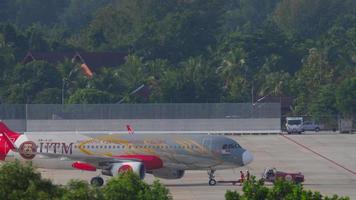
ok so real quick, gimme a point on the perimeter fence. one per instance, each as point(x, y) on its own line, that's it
point(144, 117)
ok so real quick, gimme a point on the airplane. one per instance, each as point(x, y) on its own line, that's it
point(162, 155)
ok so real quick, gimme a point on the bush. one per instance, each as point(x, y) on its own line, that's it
point(128, 186)
point(21, 181)
point(256, 190)
point(81, 190)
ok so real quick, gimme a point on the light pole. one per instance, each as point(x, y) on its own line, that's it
point(131, 93)
point(63, 83)
point(260, 99)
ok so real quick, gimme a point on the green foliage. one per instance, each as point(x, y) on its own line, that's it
point(306, 18)
point(80, 190)
point(315, 73)
point(256, 190)
point(184, 51)
point(45, 12)
point(79, 13)
point(52, 95)
point(323, 105)
point(19, 181)
point(89, 96)
point(128, 186)
point(28, 80)
point(346, 95)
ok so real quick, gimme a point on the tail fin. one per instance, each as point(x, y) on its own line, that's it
point(7, 139)
point(129, 129)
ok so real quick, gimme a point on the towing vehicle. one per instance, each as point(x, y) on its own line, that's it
point(272, 174)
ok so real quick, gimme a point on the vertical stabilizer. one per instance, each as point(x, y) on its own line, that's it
point(7, 139)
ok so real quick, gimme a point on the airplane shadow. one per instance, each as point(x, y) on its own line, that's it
point(199, 185)
point(316, 184)
point(187, 185)
point(238, 185)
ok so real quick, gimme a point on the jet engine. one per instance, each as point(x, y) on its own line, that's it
point(167, 173)
point(118, 168)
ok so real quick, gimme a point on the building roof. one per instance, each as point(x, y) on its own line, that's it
point(51, 57)
point(94, 60)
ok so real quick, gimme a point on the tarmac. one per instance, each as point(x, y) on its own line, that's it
point(327, 160)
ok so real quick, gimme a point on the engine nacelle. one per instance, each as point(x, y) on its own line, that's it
point(167, 173)
point(117, 168)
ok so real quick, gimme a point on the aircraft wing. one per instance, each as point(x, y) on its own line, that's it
point(96, 160)
point(99, 161)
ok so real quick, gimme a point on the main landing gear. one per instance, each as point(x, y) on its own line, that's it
point(97, 181)
point(212, 181)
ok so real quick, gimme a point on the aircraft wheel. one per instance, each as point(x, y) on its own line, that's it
point(97, 181)
point(212, 182)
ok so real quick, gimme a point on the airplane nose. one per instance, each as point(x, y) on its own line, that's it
point(247, 157)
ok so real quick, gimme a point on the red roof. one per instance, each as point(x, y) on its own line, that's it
point(94, 60)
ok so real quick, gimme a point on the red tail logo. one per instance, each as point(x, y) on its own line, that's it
point(7, 139)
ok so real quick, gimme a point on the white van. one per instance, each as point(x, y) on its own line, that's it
point(294, 125)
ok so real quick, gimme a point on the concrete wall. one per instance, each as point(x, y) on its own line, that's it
point(18, 125)
point(184, 125)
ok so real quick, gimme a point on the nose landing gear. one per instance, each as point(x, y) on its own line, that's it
point(212, 181)
point(97, 181)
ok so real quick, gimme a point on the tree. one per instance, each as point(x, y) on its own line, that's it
point(256, 190)
point(157, 78)
point(315, 73)
point(345, 97)
point(7, 57)
point(81, 190)
point(79, 13)
point(44, 12)
point(14, 39)
point(110, 80)
point(323, 105)
point(275, 83)
point(199, 82)
point(233, 70)
point(29, 79)
point(247, 15)
point(48, 96)
point(307, 19)
point(89, 96)
point(36, 39)
point(128, 186)
point(19, 181)
point(340, 45)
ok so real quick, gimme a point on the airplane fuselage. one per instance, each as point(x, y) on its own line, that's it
point(177, 151)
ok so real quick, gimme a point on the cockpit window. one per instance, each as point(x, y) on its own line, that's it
point(231, 146)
